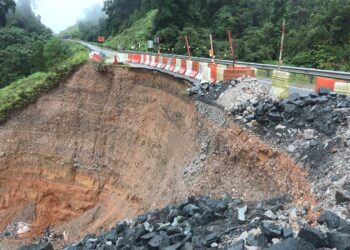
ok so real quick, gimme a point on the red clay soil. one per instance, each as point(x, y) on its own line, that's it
point(107, 146)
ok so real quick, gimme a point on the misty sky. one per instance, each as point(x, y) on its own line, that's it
point(60, 14)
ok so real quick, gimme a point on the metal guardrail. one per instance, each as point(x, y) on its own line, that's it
point(341, 75)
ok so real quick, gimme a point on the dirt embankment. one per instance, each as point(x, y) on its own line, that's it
point(104, 147)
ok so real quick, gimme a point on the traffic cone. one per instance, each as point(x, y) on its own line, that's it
point(115, 60)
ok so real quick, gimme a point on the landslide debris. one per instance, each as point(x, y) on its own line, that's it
point(103, 147)
point(226, 223)
point(315, 130)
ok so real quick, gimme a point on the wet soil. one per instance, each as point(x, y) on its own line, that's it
point(103, 147)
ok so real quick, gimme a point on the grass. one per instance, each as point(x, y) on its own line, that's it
point(137, 34)
point(24, 91)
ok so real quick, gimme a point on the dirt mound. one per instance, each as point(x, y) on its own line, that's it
point(105, 147)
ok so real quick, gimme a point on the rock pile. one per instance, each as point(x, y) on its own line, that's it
point(226, 223)
point(240, 92)
point(321, 112)
point(209, 91)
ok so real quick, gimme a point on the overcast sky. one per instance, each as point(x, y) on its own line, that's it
point(60, 14)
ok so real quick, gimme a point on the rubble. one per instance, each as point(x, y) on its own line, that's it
point(204, 222)
point(240, 92)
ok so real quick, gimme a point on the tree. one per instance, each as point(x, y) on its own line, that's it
point(5, 6)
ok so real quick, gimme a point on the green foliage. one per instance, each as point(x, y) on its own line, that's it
point(54, 52)
point(136, 35)
point(5, 6)
point(318, 32)
point(21, 92)
point(22, 43)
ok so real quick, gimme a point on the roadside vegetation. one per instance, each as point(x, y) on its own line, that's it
point(317, 31)
point(26, 90)
point(32, 60)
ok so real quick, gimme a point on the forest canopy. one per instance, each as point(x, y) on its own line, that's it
point(318, 31)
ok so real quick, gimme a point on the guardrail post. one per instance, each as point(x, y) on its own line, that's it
point(268, 73)
point(311, 78)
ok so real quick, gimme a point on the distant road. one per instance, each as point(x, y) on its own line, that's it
point(265, 82)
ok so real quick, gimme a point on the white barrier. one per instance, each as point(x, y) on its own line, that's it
point(122, 57)
point(178, 65)
point(160, 63)
point(168, 64)
point(148, 60)
point(188, 68)
point(204, 72)
point(220, 72)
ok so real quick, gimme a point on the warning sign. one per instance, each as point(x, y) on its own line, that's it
point(101, 39)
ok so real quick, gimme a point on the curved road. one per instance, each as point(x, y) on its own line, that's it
point(268, 83)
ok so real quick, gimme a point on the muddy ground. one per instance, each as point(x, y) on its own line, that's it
point(103, 147)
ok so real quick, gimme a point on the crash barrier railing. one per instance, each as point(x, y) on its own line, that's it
point(339, 75)
point(207, 70)
point(196, 69)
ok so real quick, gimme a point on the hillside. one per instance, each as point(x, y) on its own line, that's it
point(317, 31)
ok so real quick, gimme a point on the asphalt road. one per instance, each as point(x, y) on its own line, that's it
point(268, 83)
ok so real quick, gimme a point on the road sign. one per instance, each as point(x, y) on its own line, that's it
point(150, 44)
point(101, 39)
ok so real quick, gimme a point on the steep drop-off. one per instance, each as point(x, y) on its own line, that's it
point(107, 146)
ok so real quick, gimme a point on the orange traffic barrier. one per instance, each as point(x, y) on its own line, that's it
point(156, 61)
point(136, 58)
point(148, 60)
point(183, 67)
point(238, 71)
point(213, 72)
point(172, 64)
point(168, 63)
point(130, 56)
point(143, 59)
point(164, 62)
point(325, 83)
point(195, 69)
point(96, 57)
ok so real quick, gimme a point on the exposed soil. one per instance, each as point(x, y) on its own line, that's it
point(108, 146)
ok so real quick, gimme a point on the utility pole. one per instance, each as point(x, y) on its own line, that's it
point(282, 43)
point(158, 42)
point(188, 47)
point(212, 49)
point(233, 51)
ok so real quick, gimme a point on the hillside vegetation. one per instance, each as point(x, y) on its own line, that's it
point(318, 32)
point(26, 45)
point(32, 60)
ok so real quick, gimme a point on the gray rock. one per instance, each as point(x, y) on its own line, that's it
point(341, 197)
point(324, 91)
point(271, 230)
point(241, 213)
point(340, 241)
point(191, 209)
point(291, 148)
point(211, 238)
point(237, 246)
point(155, 242)
point(333, 221)
point(309, 134)
point(287, 232)
point(289, 108)
point(39, 246)
point(293, 244)
point(314, 236)
point(270, 215)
